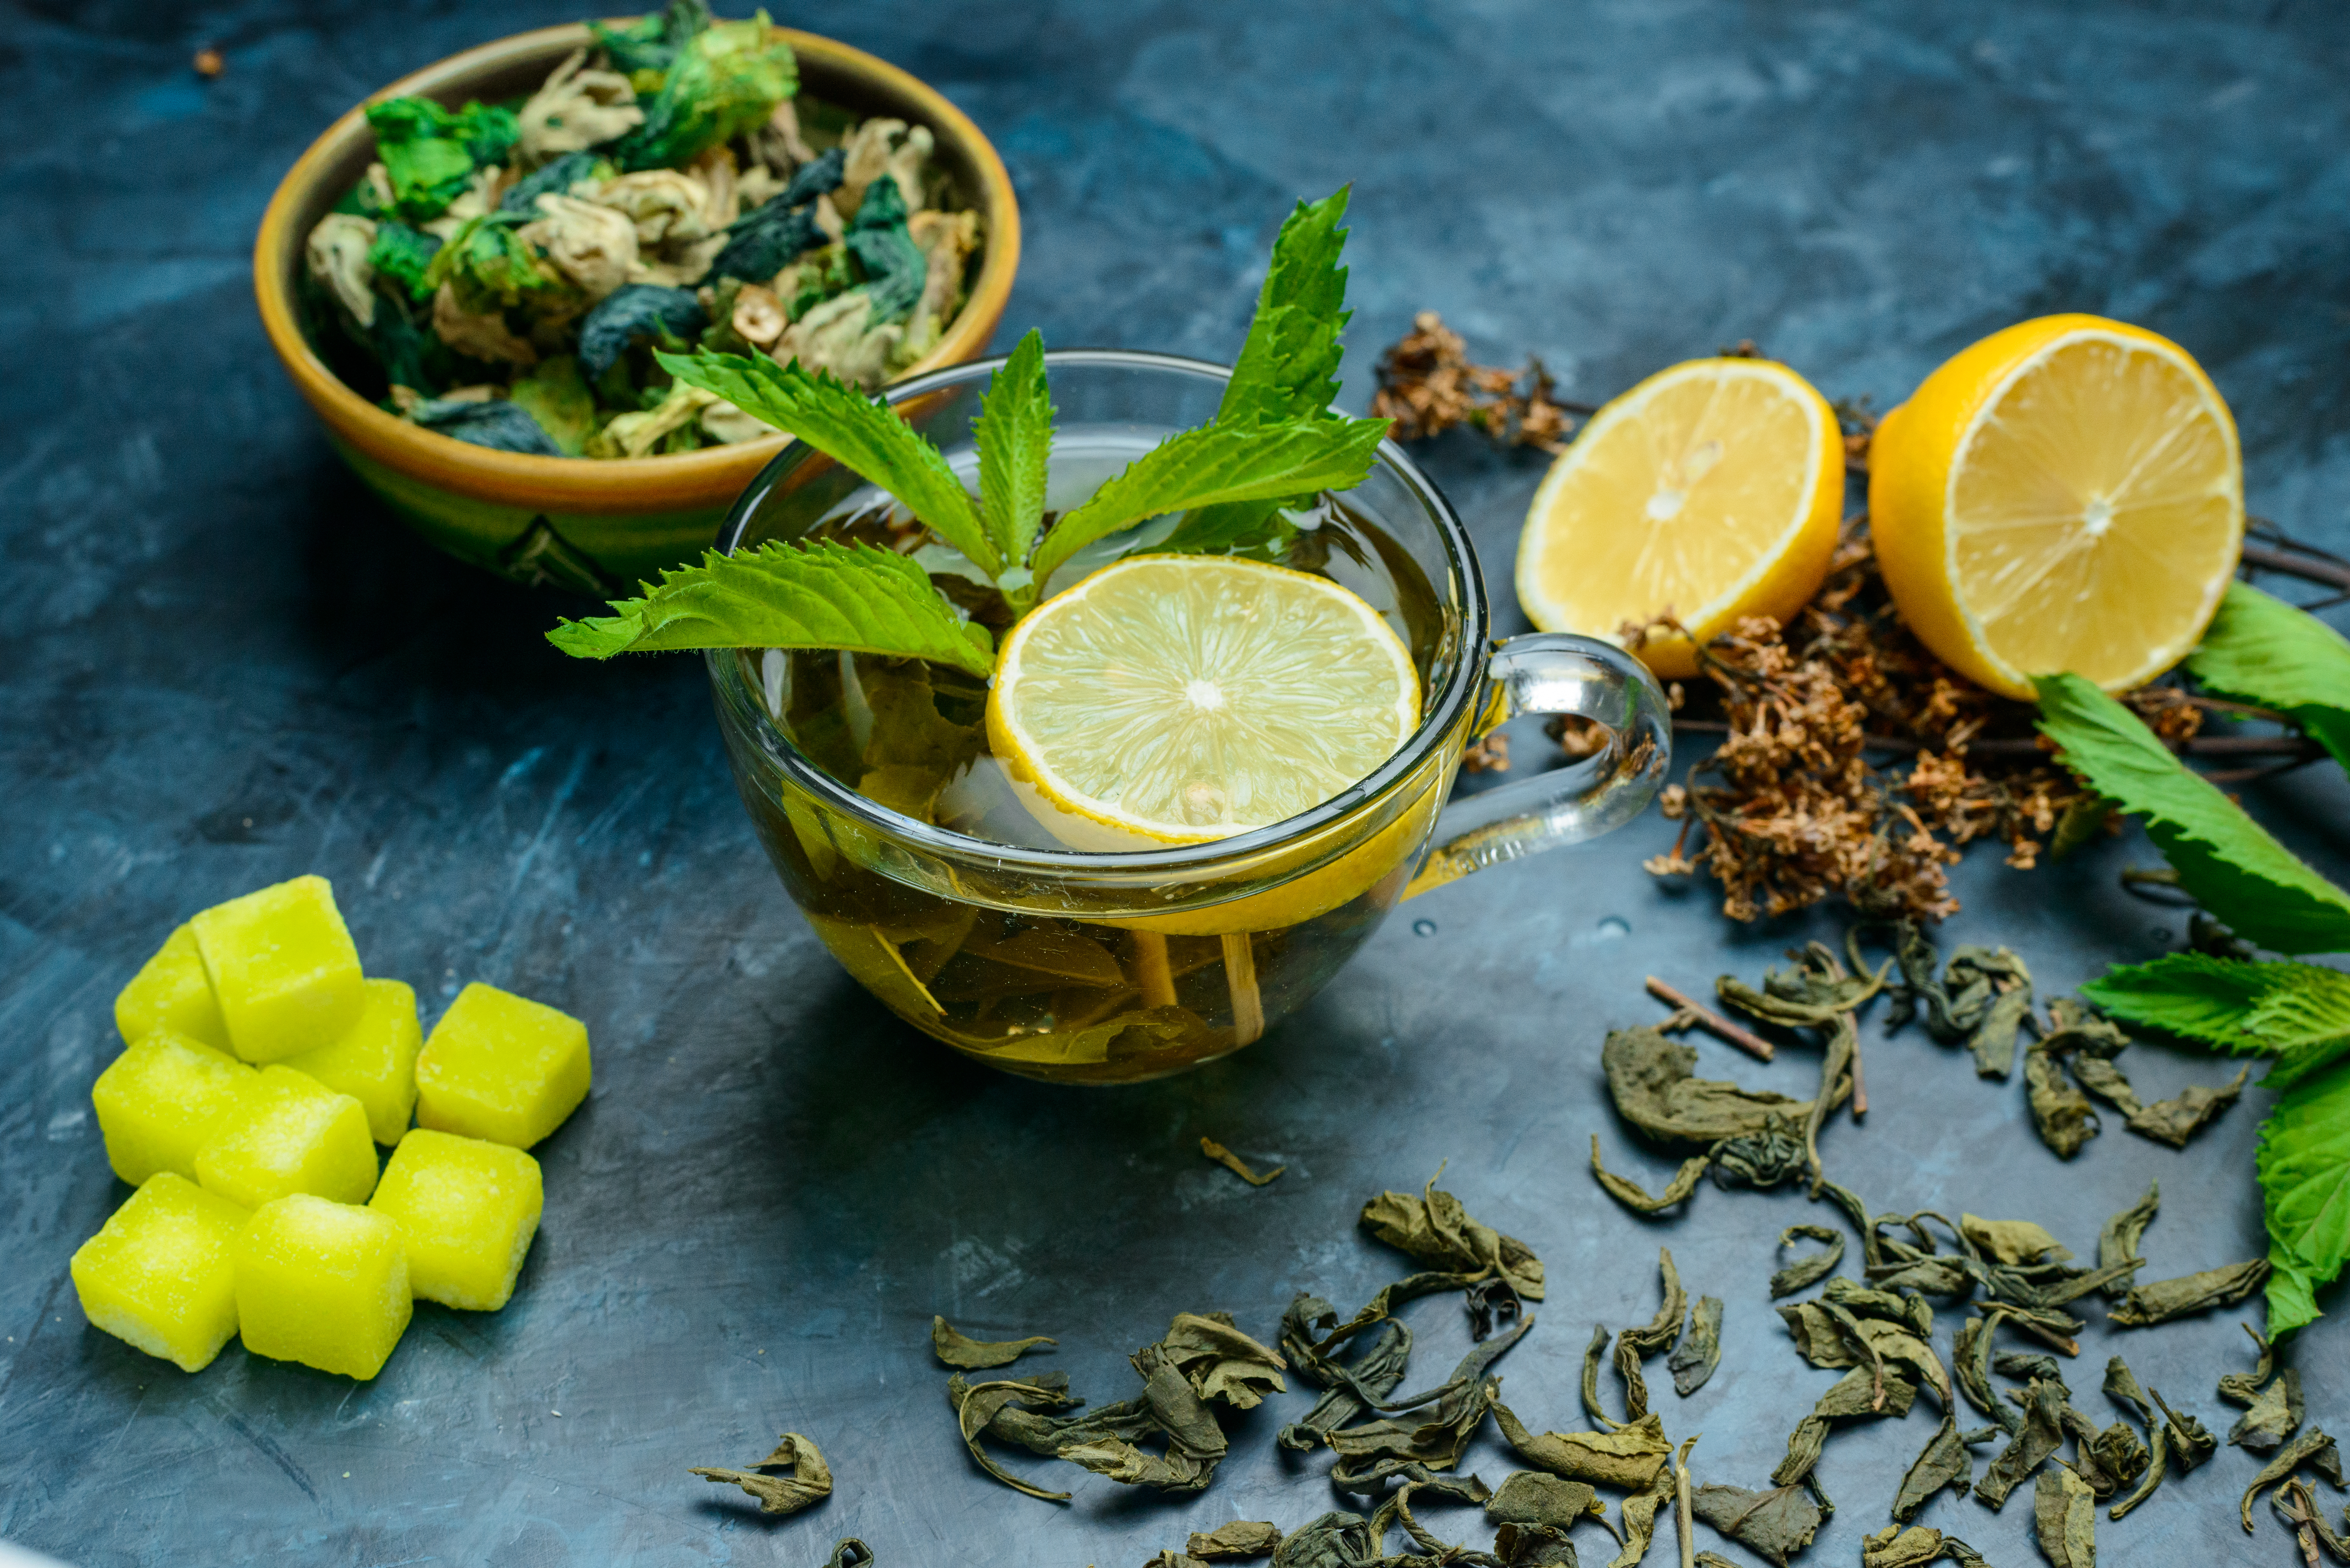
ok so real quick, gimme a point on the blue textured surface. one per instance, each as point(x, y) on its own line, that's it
point(225, 667)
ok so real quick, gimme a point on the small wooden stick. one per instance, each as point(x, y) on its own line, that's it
point(1152, 975)
point(1859, 1084)
point(1681, 1505)
point(1239, 974)
point(1712, 1022)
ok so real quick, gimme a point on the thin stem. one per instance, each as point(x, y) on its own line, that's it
point(1712, 1022)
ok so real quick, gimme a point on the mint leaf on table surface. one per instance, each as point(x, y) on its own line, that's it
point(2304, 1167)
point(2297, 1013)
point(1288, 366)
point(2262, 650)
point(1014, 436)
point(865, 436)
point(1217, 463)
point(2228, 863)
point(825, 595)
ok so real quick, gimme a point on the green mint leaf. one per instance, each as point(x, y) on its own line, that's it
point(1288, 366)
point(1014, 436)
point(2261, 651)
point(2228, 863)
point(1236, 528)
point(861, 434)
point(1217, 463)
point(2304, 1169)
point(2297, 1013)
point(783, 595)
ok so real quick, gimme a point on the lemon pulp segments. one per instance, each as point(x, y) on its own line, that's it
point(1189, 697)
point(2095, 509)
point(1712, 490)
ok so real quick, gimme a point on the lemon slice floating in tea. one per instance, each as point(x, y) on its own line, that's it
point(1189, 697)
point(2065, 495)
point(1711, 490)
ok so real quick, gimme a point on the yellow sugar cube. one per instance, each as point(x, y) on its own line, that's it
point(323, 1284)
point(501, 1067)
point(164, 1099)
point(160, 1272)
point(467, 1210)
point(375, 1063)
point(171, 994)
point(294, 1135)
point(283, 968)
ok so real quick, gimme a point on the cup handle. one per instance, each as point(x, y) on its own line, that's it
point(1552, 672)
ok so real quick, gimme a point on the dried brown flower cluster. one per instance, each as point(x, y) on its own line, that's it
point(1427, 386)
point(1800, 812)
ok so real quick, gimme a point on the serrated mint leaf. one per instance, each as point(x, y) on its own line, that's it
point(1013, 433)
point(2228, 863)
point(2261, 651)
point(1288, 365)
point(1218, 463)
point(861, 434)
point(1237, 527)
point(2304, 1167)
point(786, 596)
point(2297, 1013)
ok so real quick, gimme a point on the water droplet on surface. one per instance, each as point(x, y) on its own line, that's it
point(1423, 928)
point(1613, 927)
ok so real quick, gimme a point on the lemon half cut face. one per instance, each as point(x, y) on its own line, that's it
point(1185, 698)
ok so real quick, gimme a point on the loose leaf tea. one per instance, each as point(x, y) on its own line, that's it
point(2011, 1240)
point(2117, 1242)
point(1437, 1230)
point(2274, 1415)
point(2062, 1114)
point(2164, 1300)
point(1859, 1395)
point(2042, 1435)
point(1653, 1080)
point(1633, 1196)
point(1946, 1464)
point(1700, 1351)
point(1337, 1540)
point(2064, 1517)
point(1775, 1525)
point(1624, 1461)
point(1234, 1164)
point(810, 1480)
point(2238, 1388)
point(1805, 1273)
point(2312, 1448)
point(1634, 1345)
point(1533, 1497)
point(2175, 1120)
point(954, 1349)
point(1893, 1547)
point(1240, 1538)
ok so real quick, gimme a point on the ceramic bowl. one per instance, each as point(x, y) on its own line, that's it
point(595, 527)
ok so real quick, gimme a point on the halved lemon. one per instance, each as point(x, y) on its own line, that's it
point(1189, 697)
point(2065, 495)
point(1710, 491)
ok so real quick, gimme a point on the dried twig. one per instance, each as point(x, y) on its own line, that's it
point(1713, 1022)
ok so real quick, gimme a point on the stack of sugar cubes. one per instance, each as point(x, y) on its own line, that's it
point(263, 1069)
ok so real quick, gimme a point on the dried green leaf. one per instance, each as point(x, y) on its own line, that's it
point(1436, 1230)
point(1624, 1461)
point(2312, 1448)
point(2061, 1113)
point(1700, 1351)
point(1775, 1525)
point(1535, 1497)
point(810, 1480)
point(1635, 1197)
point(2042, 1435)
point(1337, 1540)
point(957, 1350)
point(1858, 1394)
point(1240, 1538)
point(1805, 1273)
point(977, 1405)
point(1651, 1078)
point(1237, 1165)
point(1640, 1510)
point(2064, 1517)
point(2117, 1242)
point(2145, 1305)
point(2240, 1387)
point(2013, 1240)
point(1219, 1362)
point(2273, 1416)
point(2175, 1120)
point(1945, 1464)
point(1634, 1345)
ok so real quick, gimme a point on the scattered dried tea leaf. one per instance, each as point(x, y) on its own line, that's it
point(1234, 1164)
point(1805, 1273)
point(1858, 1394)
point(1634, 1345)
point(1220, 1361)
point(1775, 1525)
point(2064, 1517)
point(2273, 1416)
point(2157, 1469)
point(810, 1480)
point(1652, 1079)
point(1944, 1465)
point(1635, 1197)
point(1534, 1497)
point(2013, 1240)
point(1356, 1386)
point(1337, 1540)
point(2042, 1435)
point(1532, 1546)
point(2190, 1444)
point(2117, 1452)
point(1640, 1510)
point(2061, 1113)
point(1972, 1354)
point(2164, 1300)
point(1437, 1230)
point(2238, 1388)
point(977, 1405)
point(1700, 1351)
point(1240, 1538)
point(1624, 1461)
point(1436, 1436)
point(2117, 1242)
point(2312, 1448)
point(2175, 1120)
point(974, 1354)
point(1893, 1547)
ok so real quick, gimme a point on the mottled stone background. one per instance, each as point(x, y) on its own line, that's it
point(225, 666)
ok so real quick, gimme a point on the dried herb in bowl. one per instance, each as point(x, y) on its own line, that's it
point(504, 273)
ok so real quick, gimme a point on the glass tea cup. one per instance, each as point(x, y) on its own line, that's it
point(1040, 955)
